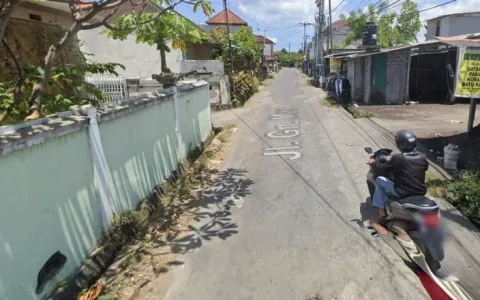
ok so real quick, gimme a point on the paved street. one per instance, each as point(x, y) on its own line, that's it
point(291, 228)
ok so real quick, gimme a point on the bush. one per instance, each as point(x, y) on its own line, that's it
point(464, 194)
point(245, 86)
point(65, 87)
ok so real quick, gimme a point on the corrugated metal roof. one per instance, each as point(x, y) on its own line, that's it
point(391, 49)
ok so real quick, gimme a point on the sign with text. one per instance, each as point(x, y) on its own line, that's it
point(468, 73)
point(335, 65)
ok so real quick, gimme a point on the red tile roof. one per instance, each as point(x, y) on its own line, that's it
point(220, 19)
point(261, 39)
point(340, 24)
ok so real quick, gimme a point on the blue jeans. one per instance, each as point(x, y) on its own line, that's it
point(382, 185)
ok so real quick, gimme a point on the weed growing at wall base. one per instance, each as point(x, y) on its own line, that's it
point(143, 254)
point(463, 193)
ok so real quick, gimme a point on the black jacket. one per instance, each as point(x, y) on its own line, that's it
point(409, 171)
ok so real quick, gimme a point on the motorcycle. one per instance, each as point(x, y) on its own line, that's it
point(420, 214)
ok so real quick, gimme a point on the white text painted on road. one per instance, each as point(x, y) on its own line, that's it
point(291, 129)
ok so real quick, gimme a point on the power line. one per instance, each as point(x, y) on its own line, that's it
point(338, 5)
point(283, 28)
point(441, 4)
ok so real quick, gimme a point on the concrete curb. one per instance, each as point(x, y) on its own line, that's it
point(104, 255)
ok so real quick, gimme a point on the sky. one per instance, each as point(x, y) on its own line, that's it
point(281, 18)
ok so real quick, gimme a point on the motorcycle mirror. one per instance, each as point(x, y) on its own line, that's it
point(368, 150)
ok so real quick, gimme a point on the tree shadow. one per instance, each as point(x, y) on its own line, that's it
point(213, 216)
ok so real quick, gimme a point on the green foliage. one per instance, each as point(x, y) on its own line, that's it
point(289, 59)
point(247, 52)
point(152, 30)
point(392, 28)
point(465, 195)
point(66, 87)
point(245, 86)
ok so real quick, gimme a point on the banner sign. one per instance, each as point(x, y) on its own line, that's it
point(335, 65)
point(468, 73)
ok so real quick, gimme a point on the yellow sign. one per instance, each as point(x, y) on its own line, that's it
point(335, 65)
point(468, 74)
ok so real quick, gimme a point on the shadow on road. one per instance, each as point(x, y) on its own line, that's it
point(213, 219)
point(201, 215)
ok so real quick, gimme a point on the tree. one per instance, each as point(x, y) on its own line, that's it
point(284, 50)
point(82, 16)
point(289, 59)
point(169, 27)
point(392, 28)
point(246, 52)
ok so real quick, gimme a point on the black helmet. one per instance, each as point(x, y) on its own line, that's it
point(406, 141)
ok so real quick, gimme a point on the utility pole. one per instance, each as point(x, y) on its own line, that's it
point(305, 38)
point(319, 53)
point(229, 49)
point(330, 23)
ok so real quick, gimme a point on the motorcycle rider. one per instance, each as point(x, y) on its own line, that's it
point(408, 168)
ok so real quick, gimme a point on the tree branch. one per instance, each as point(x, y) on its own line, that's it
point(39, 86)
point(17, 96)
point(110, 27)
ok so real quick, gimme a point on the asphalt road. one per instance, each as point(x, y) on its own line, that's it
point(283, 223)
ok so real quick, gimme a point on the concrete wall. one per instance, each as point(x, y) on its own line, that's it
point(30, 41)
point(367, 71)
point(48, 15)
point(397, 73)
point(356, 75)
point(62, 178)
point(464, 25)
point(215, 66)
point(204, 51)
point(454, 25)
point(220, 91)
point(268, 50)
point(140, 60)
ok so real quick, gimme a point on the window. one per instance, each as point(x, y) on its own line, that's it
point(35, 17)
point(437, 30)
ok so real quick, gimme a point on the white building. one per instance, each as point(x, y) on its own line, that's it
point(453, 25)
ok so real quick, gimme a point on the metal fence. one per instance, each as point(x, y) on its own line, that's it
point(114, 87)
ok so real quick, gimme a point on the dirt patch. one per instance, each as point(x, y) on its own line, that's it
point(152, 252)
point(426, 120)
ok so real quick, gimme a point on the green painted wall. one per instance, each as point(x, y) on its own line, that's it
point(379, 71)
point(378, 79)
point(50, 199)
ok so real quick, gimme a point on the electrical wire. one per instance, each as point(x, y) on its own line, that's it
point(338, 6)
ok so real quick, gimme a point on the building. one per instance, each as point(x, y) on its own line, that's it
point(453, 25)
point(220, 20)
point(269, 45)
point(340, 30)
point(140, 60)
point(423, 72)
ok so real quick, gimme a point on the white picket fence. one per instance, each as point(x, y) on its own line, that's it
point(114, 87)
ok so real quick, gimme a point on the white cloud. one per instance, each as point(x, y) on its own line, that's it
point(275, 40)
point(281, 13)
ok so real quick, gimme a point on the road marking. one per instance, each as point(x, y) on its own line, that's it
point(288, 130)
